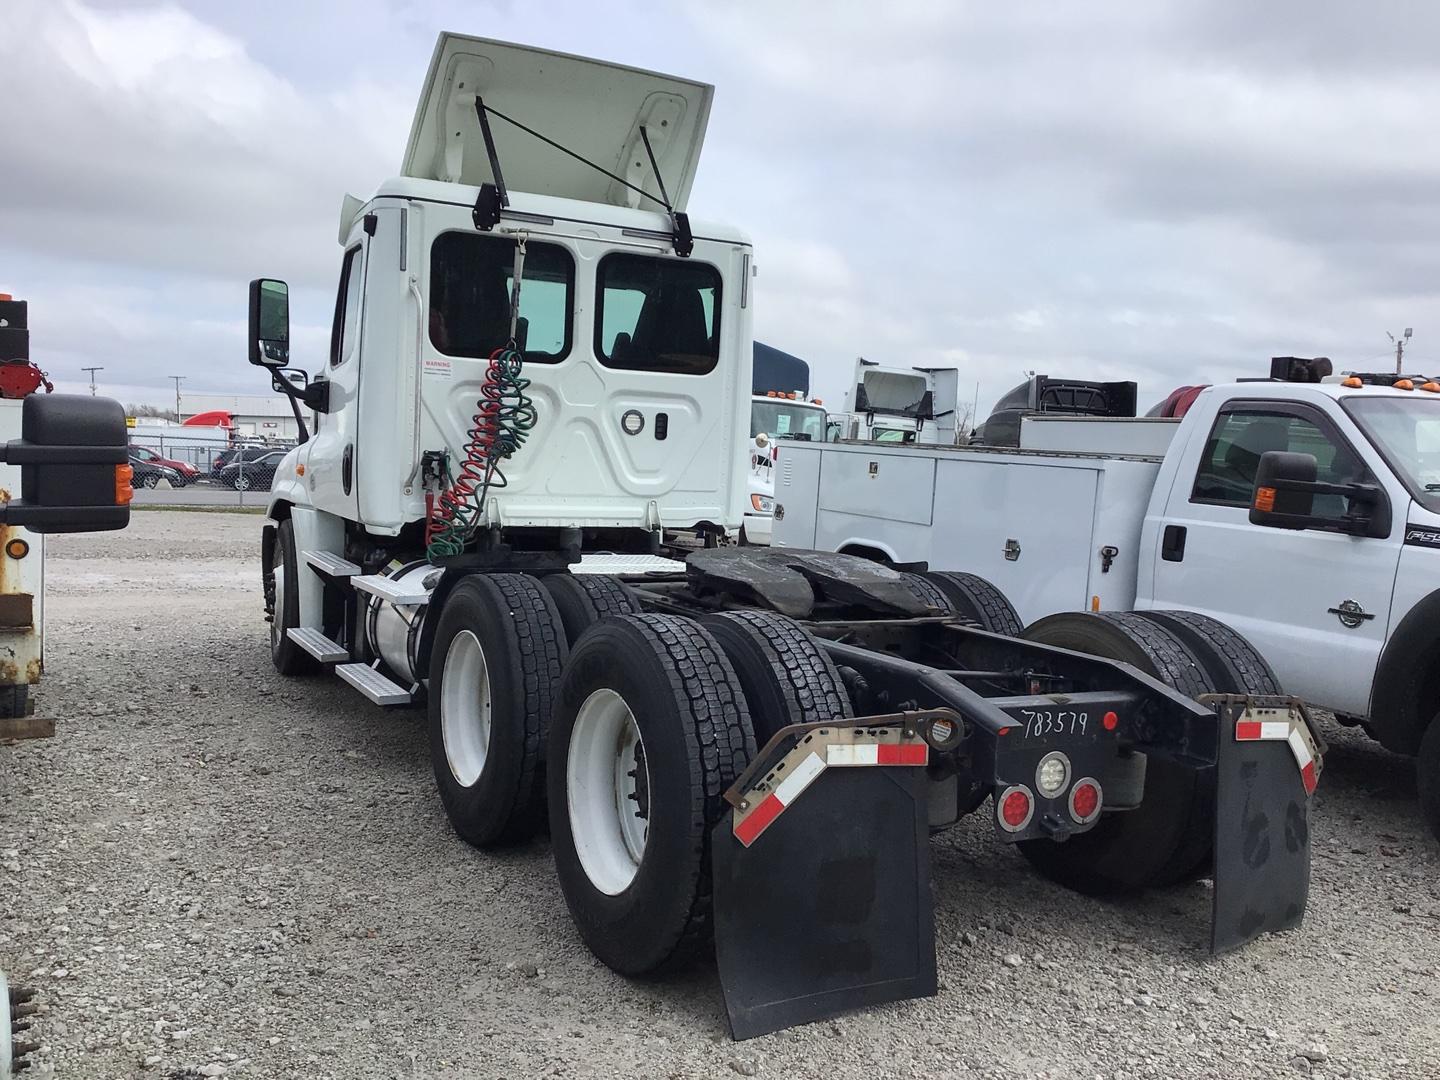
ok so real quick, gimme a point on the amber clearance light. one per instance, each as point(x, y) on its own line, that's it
point(124, 489)
point(1265, 500)
point(17, 548)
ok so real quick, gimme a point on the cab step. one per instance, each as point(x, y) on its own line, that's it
point(375, 686)
point(327, 562)
point(385, 588)
point(318, 645)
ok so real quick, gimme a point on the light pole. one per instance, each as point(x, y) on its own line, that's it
point(1400, 347)
point(92, 371)
point(178, 380)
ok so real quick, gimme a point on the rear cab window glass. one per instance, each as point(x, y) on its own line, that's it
point(660, 315)
point(470, 283)
point(1232, 455)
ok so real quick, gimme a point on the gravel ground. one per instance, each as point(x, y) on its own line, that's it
point(213, 871)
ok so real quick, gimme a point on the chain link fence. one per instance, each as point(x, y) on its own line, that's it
point(203, 467)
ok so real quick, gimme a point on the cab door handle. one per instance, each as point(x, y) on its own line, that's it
point(1172, 544)
point(347, 466)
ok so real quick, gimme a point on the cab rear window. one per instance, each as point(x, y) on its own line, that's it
point(658, 315)
point(470, 279)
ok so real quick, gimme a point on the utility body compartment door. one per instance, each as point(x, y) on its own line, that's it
point(1315, 603)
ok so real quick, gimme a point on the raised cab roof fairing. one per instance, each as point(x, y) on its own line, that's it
point(593, 108)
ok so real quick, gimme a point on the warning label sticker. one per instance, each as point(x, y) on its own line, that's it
point(439, 367)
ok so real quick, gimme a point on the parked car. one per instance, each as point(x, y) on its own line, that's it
point(250, 473)
point(226, 458)
point(188, 473)
point(147, 474)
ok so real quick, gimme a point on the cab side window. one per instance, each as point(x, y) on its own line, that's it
point(346, 325)
point(1240, 436)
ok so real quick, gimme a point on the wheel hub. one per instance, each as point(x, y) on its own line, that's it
point(465, 708)
point(608, 791)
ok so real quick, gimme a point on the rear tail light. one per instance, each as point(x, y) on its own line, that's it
point(1052, 774)
point(124, 491)
point(1015, 808)
point(1085, 800)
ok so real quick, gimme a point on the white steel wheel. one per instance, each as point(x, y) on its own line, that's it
point(608, 791)
point(279, 614)
point(465, 708)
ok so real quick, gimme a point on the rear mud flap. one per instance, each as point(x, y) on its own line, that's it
point(829, 908)
point(1267, 765)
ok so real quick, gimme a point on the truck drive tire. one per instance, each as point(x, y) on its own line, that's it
point(785, 675)
point(1163, 838)
point(1234, 665)
point(494, 667)
point(288, 658)
point(583, 599)
point(972, 597)
point(929, 592)
point(650, 729)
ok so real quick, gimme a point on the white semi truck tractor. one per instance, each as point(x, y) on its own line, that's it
point(539, 366)
point(64, 467)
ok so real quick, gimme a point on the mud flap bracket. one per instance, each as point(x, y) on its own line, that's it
point(822, 878)
point(1267, 766)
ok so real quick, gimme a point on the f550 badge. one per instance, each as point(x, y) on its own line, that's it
point(1421, 536)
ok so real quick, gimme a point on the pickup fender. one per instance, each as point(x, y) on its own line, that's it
point(1407, 675)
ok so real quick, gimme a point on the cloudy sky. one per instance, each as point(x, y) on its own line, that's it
point(1165, 192)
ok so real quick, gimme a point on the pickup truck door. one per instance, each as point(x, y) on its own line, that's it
point(1315, 603)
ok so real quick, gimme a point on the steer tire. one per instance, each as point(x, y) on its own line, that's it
point(972, 597)
point(685, 701)
point(288, 657)
point(785, 675)
point(492, 783)
point(1162, 838)
point(584, 599)
point(1427, 777)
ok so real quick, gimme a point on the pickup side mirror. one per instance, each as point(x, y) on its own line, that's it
point(74, 463)
point(1285, 491)
point(269, 323)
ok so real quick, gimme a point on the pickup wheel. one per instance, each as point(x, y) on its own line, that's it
point(283, 571)
point(1427, 776)
point(494, 667)
point(974, 598)
point(584, 599)
point(1165, 836)
point(785, 675)
point(650, 729)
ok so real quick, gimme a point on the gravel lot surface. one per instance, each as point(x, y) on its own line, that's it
point(214, 871)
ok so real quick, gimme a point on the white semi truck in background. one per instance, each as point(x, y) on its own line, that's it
point(64, 467)
point(1304, 515)
point(900, 404)
point(539, 366)
point(780, 408)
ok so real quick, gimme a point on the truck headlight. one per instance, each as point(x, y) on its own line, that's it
point(763, 504)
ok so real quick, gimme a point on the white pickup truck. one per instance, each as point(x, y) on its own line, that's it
point(1329, 567)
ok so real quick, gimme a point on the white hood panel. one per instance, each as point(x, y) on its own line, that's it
point(592, 108)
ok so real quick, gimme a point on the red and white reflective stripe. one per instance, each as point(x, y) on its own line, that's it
point(786, 792)
point(876, 754)
point(803, 764)
point(1289, 731)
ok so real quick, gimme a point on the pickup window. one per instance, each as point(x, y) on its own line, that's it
point(1226, 476)
point(470, 281)
point(658, 315)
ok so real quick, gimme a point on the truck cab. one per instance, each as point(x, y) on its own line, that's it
point(633, 322)
point(1344, 604)
point(776, 417)
point(901, 405)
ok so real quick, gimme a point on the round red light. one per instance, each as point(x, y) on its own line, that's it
point(1085, 800)
point(1015, 809)
point(1111, 721)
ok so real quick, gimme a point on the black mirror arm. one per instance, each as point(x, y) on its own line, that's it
point(282, 385)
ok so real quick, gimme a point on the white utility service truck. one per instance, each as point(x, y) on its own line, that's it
point(538, 366)
point(1303, 515)
point(64, 467)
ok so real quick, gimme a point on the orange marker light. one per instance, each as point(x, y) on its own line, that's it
point(124, 489)
point(1404, 384)
point(17, 548)
point(299, 470)
point(1432, 386)
point(1353, 383)
point(1094, 603)
point(1265, 500)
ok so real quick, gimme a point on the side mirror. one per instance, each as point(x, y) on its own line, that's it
point(74, 459)
point(269, 323)
point(1285, 491)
